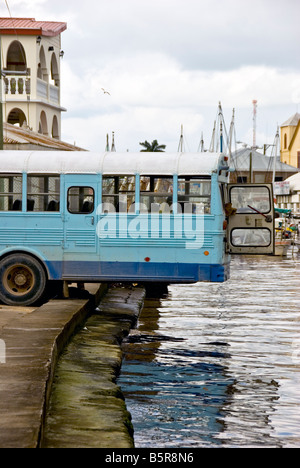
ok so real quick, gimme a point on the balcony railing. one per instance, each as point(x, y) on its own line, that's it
point(42, 89)
point(20, 87)
point(47, 91)
point(54, 94)
point(15, 85)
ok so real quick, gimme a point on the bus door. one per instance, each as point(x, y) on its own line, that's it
point(80, 244)
point(251, 227)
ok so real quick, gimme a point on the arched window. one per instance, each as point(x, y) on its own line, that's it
point(54, 70)
point(285, 141)
point(42, 71)
point(43, 125)
point(55, 128)
point(16, 57)
point(17, 117)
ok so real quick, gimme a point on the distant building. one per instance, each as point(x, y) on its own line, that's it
point(290, 141)
point(290, 197)
point(251, 166)
point(31, 52)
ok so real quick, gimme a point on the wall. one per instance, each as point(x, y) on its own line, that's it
point(44, 95)
point(289, 154)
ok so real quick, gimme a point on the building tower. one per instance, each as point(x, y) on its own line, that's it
point(30, 56)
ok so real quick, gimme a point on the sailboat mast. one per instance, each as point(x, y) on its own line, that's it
point(107, 143)
point(201, 144)
point(221, 137)
point(212, 143)
point(276, 148)
point(180, 146)
point(231, 133)
point(113, 147)
point(254, 122)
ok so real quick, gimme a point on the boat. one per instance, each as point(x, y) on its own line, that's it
point(282, 247)
point(283, 233)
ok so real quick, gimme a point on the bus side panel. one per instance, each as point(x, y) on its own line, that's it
point(173, 252)
point(147, 272)
point(40, 234)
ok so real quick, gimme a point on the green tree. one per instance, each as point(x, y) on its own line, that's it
point(152, 147)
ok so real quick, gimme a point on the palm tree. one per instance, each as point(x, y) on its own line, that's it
point(152, 147)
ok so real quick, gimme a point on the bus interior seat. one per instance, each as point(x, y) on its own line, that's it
point(30, 205)
point(17, 205)
point(53, 206)
point(87, 207)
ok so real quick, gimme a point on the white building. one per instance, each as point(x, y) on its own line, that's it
point(290, 198)
point(31, 53)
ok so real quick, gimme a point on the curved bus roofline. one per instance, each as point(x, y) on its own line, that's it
point(78, 162)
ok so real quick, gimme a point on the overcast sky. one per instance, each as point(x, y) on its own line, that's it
point(168, 63)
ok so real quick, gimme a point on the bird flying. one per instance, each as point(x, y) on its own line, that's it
point(105, 92)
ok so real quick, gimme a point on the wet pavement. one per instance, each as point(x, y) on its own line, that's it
point(30, 342)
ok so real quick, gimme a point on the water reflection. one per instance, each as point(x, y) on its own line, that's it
point(215, 364)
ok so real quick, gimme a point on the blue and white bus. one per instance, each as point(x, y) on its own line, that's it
point(123, 217)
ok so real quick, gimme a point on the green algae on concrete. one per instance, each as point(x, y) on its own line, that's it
point(87, 408)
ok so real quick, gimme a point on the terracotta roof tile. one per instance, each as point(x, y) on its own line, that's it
point(29, 26)
point(19, 135)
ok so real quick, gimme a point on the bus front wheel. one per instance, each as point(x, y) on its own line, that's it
point(22, 280)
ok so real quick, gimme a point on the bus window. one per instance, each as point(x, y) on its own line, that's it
point(246, 198)
point(118, 194)
point(10, 193)
point(81, 200)
point(194, 195)
point(251, 237)
point(43, 193)
point(156, 193)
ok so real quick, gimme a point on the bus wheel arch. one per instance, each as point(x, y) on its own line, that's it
point(23, 279)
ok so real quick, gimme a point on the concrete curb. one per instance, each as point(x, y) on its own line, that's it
point(87, 408)
point(34, 342)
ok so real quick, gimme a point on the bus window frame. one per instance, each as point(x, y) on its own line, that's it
point(81, 187)
point(247, 209)
point(3, 195)
point(117, 193)
point(184, 199)
point(43, 194)
point(151, 194)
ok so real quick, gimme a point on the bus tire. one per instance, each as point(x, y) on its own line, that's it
point(22, 280)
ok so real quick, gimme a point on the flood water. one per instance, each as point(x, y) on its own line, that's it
point(218, 365)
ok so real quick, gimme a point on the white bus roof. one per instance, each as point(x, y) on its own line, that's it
point(63, 162)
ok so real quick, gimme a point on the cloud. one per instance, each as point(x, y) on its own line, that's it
point(198, 34)
point(131, 126)
point(158, 80)
point(151, 102)
point(169, 62)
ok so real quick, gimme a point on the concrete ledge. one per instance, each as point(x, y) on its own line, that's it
point(33, 340)
point(87, 408)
